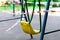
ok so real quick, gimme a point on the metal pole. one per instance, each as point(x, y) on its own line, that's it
point(45, 21)
point(13, 8)
point(40, 14)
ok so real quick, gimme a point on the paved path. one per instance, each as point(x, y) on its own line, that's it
point(53, 23)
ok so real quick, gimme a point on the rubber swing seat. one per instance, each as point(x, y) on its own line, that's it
point(27, 28)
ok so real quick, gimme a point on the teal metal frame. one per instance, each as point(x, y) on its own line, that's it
point(45, 20)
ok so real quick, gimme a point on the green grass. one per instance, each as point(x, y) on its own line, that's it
point(5, 8)
point(17, 7)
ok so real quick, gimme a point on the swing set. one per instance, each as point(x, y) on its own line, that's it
point(26, 25)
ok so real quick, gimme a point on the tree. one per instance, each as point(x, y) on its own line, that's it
point(55, 0)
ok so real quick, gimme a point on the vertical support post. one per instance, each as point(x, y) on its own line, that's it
point(45, 21)
point(13, 8)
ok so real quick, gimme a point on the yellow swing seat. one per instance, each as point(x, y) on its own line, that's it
point(27, 28)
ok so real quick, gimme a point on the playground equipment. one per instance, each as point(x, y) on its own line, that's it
point(45, 20)
point(26, 25)
point(43, 25)
point(27, 28)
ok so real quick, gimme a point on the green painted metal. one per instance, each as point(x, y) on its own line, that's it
point(33, 10)
point(40, 14)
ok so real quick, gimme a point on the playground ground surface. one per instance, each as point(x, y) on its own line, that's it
point(16, 33)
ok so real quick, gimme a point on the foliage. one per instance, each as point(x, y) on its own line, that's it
point(44, 0)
